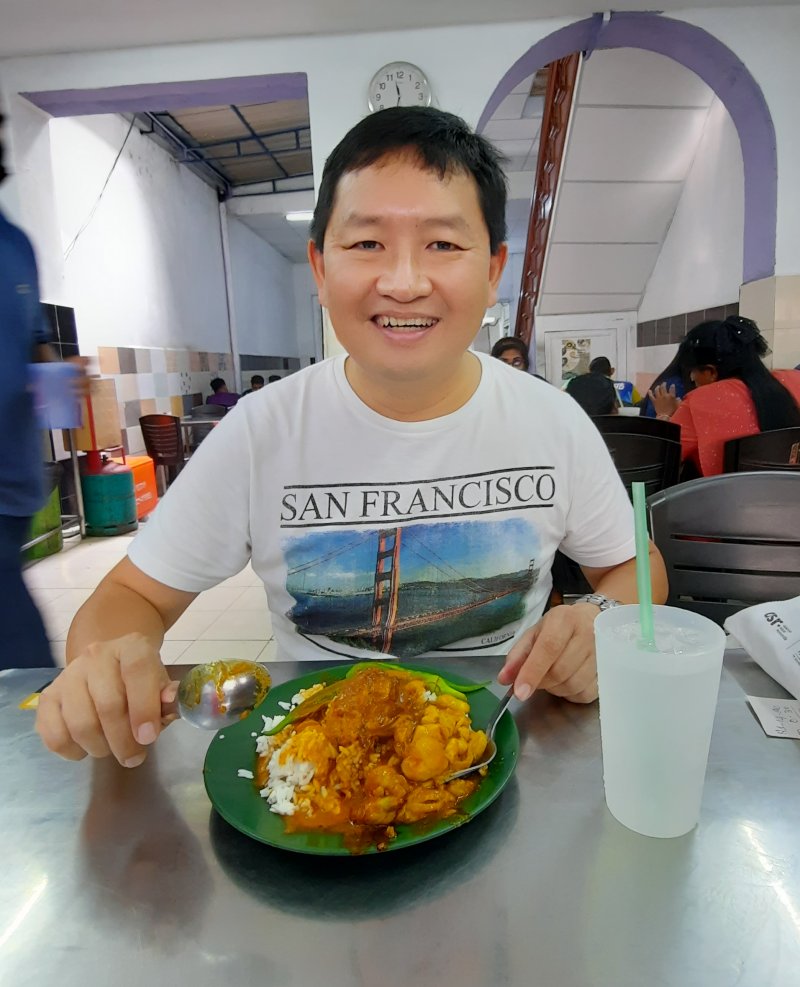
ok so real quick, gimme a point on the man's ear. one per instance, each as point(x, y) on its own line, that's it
point(316, 259)
point(497, 263)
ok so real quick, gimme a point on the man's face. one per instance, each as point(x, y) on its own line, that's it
point(406, 273)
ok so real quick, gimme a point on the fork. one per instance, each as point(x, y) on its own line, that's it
point(491, 748)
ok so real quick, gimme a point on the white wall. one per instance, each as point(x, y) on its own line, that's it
point(263, 292)
point(700, 263)
point(623, 322)
point(307, 314)
point(147, 269)
point(508, 291)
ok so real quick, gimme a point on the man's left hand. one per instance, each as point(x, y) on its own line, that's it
point(556, 654)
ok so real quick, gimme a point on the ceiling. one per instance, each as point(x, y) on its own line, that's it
point(87, 25)
point(636, 124)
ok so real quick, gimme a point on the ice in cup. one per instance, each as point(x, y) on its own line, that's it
point(656, 715)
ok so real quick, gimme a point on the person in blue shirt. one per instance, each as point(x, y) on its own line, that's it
point(25, 643)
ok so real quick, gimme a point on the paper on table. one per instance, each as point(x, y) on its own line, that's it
point(770, 634)
point(778, 717)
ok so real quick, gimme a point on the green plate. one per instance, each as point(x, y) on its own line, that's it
point(238, 802)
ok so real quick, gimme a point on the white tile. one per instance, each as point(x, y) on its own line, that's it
point(41, 595)
point(236, 625)
point(201, 651)
point(127, 387)
point(191, 625)
point(147, 385)
point(69, 601)
point(158, 361)
point(59, 652)
point(252, 598)
point(172, 651)
point(219, 598)
point(244, 578)
point(57, 624)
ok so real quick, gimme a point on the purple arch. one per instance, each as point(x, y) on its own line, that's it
point(720, 69)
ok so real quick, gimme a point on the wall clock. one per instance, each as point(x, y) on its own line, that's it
point(398, 84)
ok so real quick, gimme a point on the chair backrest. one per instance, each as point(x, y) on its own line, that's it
point(775, 450)
point(163, 439)
point(643, 449)
point(729, 541)
point(208, 411)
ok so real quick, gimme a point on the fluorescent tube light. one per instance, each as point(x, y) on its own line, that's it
point(301, 216)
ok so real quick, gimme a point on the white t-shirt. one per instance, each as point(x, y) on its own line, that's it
point(408, 538)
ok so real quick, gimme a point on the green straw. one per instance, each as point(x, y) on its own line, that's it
point(643, 567)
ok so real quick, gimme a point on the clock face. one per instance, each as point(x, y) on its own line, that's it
point(399, 84)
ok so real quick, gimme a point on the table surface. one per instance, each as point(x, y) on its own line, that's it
point(128, 877)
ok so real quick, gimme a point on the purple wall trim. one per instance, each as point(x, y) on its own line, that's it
point(172, 95)
point(720, 69)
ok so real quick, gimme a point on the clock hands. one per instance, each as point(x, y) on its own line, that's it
point(398, 93)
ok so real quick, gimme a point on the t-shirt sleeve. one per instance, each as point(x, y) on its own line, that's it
point(199, 534)
point(599, 528)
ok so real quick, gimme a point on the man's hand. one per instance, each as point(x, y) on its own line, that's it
point(108, 700)
point(556, 654)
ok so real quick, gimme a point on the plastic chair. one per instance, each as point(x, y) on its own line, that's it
point(163, 441)
point(775, 450)
point(729, 541)
point(645, 449)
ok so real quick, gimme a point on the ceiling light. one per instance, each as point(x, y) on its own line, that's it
point(301, 216)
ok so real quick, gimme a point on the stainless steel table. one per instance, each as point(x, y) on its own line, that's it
point(114, 877)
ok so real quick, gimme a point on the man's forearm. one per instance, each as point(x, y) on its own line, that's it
point(112, 611)
point(620, 582)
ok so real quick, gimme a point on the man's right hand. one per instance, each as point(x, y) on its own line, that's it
point(108, 700)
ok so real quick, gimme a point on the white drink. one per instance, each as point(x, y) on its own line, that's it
point(656, 716)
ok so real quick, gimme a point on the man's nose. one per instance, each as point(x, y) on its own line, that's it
point(404, 278)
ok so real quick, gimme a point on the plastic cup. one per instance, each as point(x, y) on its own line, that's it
point(55, 399)
point(656, 715)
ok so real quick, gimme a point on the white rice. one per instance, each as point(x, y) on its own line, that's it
point(284, 780)
point(244, 773)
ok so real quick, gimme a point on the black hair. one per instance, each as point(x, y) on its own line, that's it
point(677, 367)
point(256, 379)
point(442, 142)
point(594, 392)
point(735, 347)
point(600, 365)
point(273, 378)
point(216, 383)
point(511, 343)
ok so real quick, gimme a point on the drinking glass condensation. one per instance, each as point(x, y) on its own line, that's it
point(656, 715)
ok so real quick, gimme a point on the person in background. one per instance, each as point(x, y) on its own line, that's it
point(256, 383)
point(595, 393)
point(408, 432)
point(735, 394)
point(222, 396)
point(675, 378)
point(627, 393)
point(23, 337)
point(274, 378)
point(511, 350)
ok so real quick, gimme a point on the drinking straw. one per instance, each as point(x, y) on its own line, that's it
point(643, 567)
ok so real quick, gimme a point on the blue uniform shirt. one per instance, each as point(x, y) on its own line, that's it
point(21, 329)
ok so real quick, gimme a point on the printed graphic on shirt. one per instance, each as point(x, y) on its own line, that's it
point(413, 588)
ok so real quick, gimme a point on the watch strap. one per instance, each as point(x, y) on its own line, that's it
point(603, 602)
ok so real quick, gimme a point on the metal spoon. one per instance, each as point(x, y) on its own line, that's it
point(221, 693)
point(491, 748)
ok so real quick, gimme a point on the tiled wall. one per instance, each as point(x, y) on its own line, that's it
point(658, 340)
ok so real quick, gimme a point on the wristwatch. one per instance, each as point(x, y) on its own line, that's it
point(599, 601)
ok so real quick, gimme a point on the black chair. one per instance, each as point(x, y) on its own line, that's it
point(207, 416)
point(775, 450)
point(163, 441)
point(729, 541)
point(645, 449)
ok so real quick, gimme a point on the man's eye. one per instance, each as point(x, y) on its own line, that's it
point(444, 245)
point(366, 245)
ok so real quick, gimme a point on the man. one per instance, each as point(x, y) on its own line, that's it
point(405, 499)
point(256, 383)
point(21, 477)
point(222, 396)
point(627, 394)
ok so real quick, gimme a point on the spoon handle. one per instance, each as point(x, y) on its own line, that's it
point(501, 708)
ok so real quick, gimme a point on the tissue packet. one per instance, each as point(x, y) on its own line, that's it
point(770, 634)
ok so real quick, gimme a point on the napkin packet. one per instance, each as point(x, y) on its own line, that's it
point(770, 634)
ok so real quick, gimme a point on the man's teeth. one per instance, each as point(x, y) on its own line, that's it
point(387, 322)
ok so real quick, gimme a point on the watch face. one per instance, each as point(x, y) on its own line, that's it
point(399, 84)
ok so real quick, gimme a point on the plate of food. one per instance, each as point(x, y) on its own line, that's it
point(355, 759)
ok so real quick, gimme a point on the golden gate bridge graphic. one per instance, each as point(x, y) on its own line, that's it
point(410, 617)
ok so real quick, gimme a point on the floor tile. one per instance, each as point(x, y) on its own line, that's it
point(69, 600)
point(244, 578)
point(191, 625)
point(219, 598)
point(57, 624)
point(171, 651)
point(200, 651)
point(252, 598)
point(58, 649)
point(239, 625)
